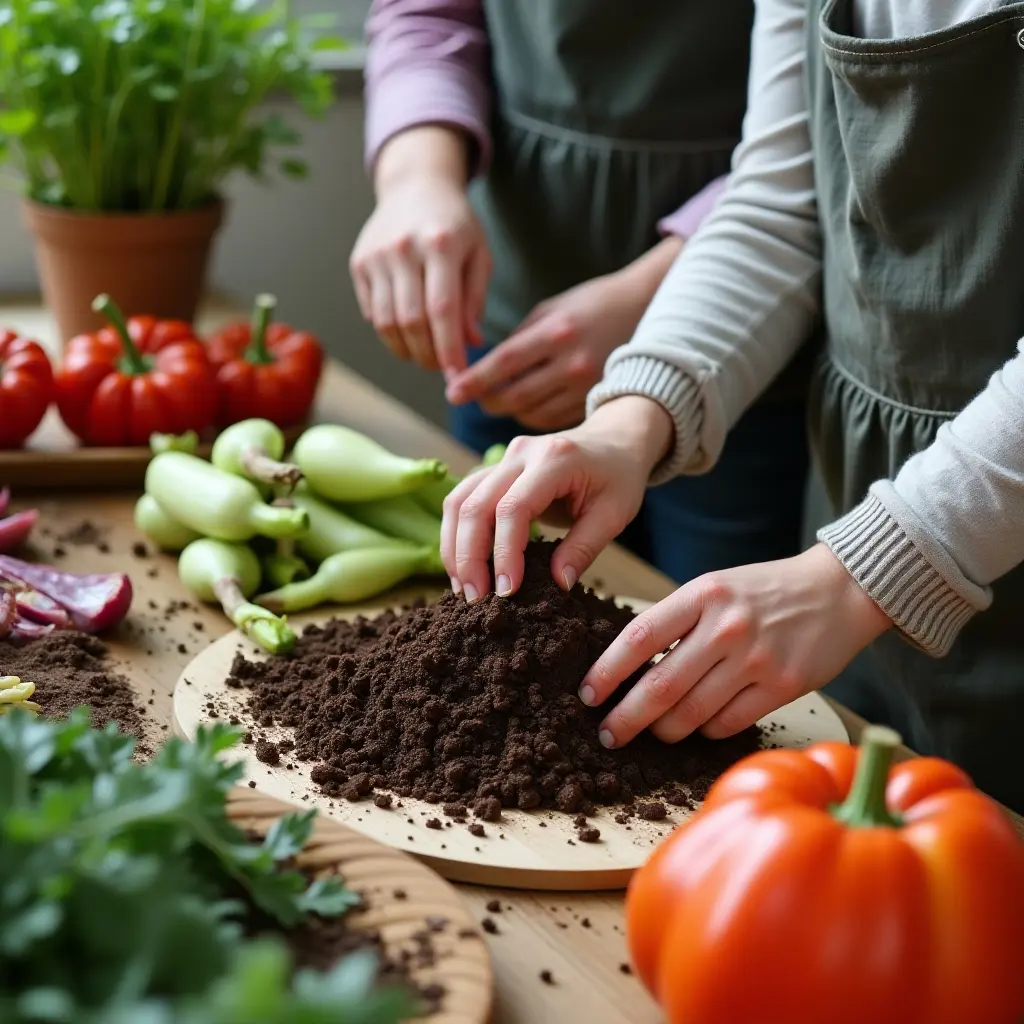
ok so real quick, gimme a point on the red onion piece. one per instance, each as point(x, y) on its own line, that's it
point(94, 602)
point(14, 530)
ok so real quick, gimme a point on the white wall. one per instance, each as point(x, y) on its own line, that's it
point(292, 239)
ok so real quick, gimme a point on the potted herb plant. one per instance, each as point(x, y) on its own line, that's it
point(123, 118)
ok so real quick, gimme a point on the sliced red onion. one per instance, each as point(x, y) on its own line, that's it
point(14, 530)
point(5, 499)
point(8, 610)
point(42, 609)
point(94, 602)
point(23, 630)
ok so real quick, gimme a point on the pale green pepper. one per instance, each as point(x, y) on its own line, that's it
point(228, 574)
point(254, 449)
point(215, 503)
point(349, 577)
point(163, 530)
point(346, 466)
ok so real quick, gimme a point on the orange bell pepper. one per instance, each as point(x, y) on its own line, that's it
point(819, 887)
point(264, 370)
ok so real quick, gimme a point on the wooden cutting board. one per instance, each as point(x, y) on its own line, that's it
point(532, 850)
point(461, 963)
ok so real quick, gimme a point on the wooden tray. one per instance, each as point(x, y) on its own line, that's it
point(53, 460)
point(462, 964)
point(517, 852)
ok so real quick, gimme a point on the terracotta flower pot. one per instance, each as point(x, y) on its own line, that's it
point(148, 263)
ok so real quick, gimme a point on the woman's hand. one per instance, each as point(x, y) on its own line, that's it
point(750, 640)
point(596, 474)
point(421, 263)
point(540, 374)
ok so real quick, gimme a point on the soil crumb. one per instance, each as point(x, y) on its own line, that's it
point(71, 669)
point(475, 706)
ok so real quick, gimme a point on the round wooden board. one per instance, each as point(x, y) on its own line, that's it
point(516, 852)
point(461, 961)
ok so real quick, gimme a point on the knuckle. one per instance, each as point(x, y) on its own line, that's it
point(660, 687)
point(716, 589)
point(584, 553)
point(735, 626)
point(502, 553)
point(472, 510)
point(582, 365)
point(438, 240)
point(562, 447)
point(517, 445)
point(639, 633)
point(509, 507)
point(690, 712)
point(440, 306)
point(565, 327)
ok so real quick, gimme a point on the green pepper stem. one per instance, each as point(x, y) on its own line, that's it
point(274, 521)
point(259, 465)
point(132, 361)
point(864, 806)
point(262, 310)
point(273, 634)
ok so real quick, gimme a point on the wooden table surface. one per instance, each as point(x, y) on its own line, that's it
point(578, 937)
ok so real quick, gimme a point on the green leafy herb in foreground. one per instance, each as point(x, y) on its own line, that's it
point(123, 886)
point(129, 105)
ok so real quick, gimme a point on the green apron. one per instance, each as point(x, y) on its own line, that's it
point(605, 121)
point(919, 163)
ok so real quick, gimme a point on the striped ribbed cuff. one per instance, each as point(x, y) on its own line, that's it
point(884, 560)
point(675, 391)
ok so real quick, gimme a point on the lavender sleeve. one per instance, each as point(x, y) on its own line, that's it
point(685, 221)
point(427, 63)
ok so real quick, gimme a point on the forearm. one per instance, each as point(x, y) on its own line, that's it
point(422, 152)
point(952, 521)
point(427, 64)
point(743, 294)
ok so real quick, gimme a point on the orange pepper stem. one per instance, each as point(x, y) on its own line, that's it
point(132, 362)
point(257, 352)
point(864, 807)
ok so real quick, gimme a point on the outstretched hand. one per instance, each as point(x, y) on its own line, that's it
point(746, 642)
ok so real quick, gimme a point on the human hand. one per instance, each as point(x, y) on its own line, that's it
point(597, 473)
point(541, 373)
point(750, 640)
point(421, 263)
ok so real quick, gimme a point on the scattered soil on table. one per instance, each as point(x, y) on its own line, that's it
point(474, 704)
point(86, 534)
point(70, 669)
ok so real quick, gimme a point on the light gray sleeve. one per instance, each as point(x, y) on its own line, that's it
point(743, 294)
point(950, 523)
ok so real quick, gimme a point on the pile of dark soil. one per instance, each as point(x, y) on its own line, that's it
point(70, 669)
point(474, 703)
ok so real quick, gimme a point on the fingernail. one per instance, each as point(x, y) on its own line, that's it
point(456, 586)
point(470, 593)
point(606, 738)
point(569, 577)
point(503, 586)
point(588, 696)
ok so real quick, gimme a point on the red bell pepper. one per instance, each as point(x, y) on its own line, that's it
point(26, 388)
point(133, 379)
point(264, 370)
